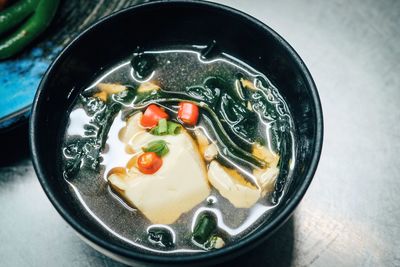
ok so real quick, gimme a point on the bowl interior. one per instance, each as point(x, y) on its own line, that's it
point(163, 24)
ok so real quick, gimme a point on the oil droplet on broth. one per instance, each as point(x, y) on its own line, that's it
point(211, 200)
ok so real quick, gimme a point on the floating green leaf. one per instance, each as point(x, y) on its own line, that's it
point(158, 146)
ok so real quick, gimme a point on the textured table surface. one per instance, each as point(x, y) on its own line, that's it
point(350, 215)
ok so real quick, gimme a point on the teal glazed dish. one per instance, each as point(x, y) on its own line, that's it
point(84, 72)
point(19, 80)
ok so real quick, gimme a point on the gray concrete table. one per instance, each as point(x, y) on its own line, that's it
point(350, 215)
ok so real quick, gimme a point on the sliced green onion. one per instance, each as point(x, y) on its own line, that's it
point(165, 127)
point(155, 131)
point(162, 126)
point(159, 147)
point(173, 128)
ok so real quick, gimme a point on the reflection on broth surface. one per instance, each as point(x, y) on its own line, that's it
point(179, 151)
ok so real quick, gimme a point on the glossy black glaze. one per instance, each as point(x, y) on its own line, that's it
point(161, 24)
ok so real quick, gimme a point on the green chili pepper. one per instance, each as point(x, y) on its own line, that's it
point(205, 226)
point(28, 31)
point(15, 14)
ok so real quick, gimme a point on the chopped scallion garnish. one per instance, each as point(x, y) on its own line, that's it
point(165, 127)
point(162, 126)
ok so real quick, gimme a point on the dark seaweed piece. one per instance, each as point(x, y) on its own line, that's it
point(261, 105)
point(205, 227)
point(86, 150)
point(232, 111)
point(235, 123)
point(73, 154)
point(147, 96)
point(91, 105)
point(160, 236)
point(208, 92)
point(125, 97)
point(202, 93)
point(239, 122)
point(143, 64)
point(105, 121)
point(283, 164)
point(242, 121)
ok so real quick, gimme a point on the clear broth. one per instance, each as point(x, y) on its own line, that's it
point(176, 69)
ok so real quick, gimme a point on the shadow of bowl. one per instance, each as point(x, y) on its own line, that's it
point(276, 251)
point(14, 145)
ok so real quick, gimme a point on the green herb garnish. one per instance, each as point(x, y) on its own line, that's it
point(165, 127)
point(158, 146)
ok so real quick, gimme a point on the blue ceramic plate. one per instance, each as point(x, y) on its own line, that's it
point(20, 76)
point(19, 80)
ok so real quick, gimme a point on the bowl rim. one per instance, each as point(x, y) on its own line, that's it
point(244, 244)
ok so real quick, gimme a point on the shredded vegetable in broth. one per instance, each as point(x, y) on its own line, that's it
point(179, 151)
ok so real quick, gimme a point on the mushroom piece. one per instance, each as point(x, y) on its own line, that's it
point(132, 127)
point(107, 89)
point(232, 186)
point(266, 177)
point(147, 87)
point(265, 154)
point(210, 152)
point(248, 84)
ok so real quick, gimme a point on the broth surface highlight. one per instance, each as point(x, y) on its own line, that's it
point(239, 108)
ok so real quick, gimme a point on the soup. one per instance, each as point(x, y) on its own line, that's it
point(179, 150)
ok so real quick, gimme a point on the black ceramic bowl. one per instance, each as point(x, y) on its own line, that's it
point(166, 23)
